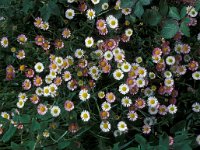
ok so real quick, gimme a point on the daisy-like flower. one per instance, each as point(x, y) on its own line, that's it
point(22, 39)
point(126, 101)
point(26, 84)
point(39, 91)
point(48, 79)
point(146, 129)
point(39, 67)
point(59, 44)
point(101, 94)
point(122, 126)
point(119, 57)
point(172, 109)
point(152, 101)
point(69, 14)
point(140, 103)
point(79, 53)
point(110, 97)
point(128, 32)
point(126, 11)
point(140, 82)
point(5, 115)
point(112, 21)
point(22, 96)
point(185, 49)
point(198, 139)
point(59, 61)
point(45, 26)
point(34, 99)
point(125, 67)
point(132, 116)
point(85, 115)
point(123, 89)
point(138, 60)
point(55, 111)
point(66, 33)
point(20, 54)
point(4, 42)
point(169, 82)
point(118, 74)
point(167, 74)
point(105, 126)
point(153, 110)
point(142, 72)
point(178, 48)
point(148, 121)
point(42, 109)
point(72, 85)
point(46, 91)
point(196, 75)
point(101, 24)
point(39, 40)
point(108, 55)
point(37, 81)
point(196, 107)
point(95, 1)
point(181, 70)
point(53, 89)
point(93, 70)
point(29, 73)
point(84, 95)
point(20, 104)
point(89, 42)
point(104, 6)
point(67, 76)
point(193, 65)
point(90, 14)
point(191, 11)
point(106, 106)
point(162, 110)
point(52, 74)
point(69, 105)
point(170, 60)
point(38, 22)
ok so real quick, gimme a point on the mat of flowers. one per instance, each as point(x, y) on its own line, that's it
point(95, 75)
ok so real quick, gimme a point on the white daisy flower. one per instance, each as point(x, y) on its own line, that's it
point(70, 1)
point(132, 116)
point(59, 61)
point(106, 106)
point(152, 75)
point(5, 115)
point(196, 75)
point(67, 76)
point(112, 21)
point(126, 101)
point(22, 96)
point(198, 139)
point(140, 82)
point(104, 6)
point(118, 74)
point(90, 14)
point(123, 89)
point(126, 67)
point(196, 107)
point(153, 110)
point(95, 1)
point(156, 58)
point(142, 72)
point(4, 42)
point(46, 91)
point(167, 74)
point(170, 60)
point(85, 115)
point(148, 121)
point(20, 104)
point(178, 48)
point(48, 79)
point(172, 109)
point(89, 42)
point(94, 70)
point(122, 126)
point(146, 129)
point(79, 53)
point(52, 74)
point(39, 91)
point(39, 67)
point(152, 101)
point(99, 53)
point(53, 87)
point(105, 126)
point(128, 32)
point(69, 14)
point(116, 51)
point(84, 95)
point(169, 82)
point(192, 12)
point(55, 111)
point(139, 60)
point(108, 55)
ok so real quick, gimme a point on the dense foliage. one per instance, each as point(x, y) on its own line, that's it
point(100, 74)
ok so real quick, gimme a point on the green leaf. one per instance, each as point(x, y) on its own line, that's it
point(145, 2)
point(24, 118)
point(185, 29)
point(11, 131)
point(35, 125)
point(127, 3)
point(27, 5)
point(183, 12)
point(197, 6)
point(140, 139)
point(152, 17)
point(163, 7)
point(178, 126)
point(170, 28)
point(164, 142)
point(116, 146)
point(173, 13)
point(139, 10)
point(63, 144)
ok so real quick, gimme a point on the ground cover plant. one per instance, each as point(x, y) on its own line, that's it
point(100, 74)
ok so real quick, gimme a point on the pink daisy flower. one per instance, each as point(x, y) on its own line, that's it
point(42, 109)
point(29, 73)
point(39, 40)
point(69, 105)
point(26, 84)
